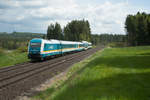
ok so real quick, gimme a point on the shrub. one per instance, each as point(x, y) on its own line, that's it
point(117, 44)
point(1, 50)
point(22, 49)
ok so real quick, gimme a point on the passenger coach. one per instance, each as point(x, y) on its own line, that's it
point(41, 48)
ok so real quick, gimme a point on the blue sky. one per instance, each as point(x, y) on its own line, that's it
point(140, 3)
point(105, 16)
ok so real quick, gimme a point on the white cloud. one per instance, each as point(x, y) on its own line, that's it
point(36, 15)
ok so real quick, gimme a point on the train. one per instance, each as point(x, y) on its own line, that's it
point(41, 48)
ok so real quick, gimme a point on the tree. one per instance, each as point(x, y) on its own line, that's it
point(50, 32)
point(58, 32)
point(77, 30)
point(54, 31)
point(137, 29)
point(107, 38)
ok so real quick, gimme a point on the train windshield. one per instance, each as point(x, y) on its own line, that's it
point(35, 45)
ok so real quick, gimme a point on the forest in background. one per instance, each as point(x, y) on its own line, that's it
point(79, 30)
point(20, 40)
point(137, 33)
point(138, 29)
point(76, 30)
point(16, 40)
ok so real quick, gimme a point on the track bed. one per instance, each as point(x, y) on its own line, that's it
point(17, 79)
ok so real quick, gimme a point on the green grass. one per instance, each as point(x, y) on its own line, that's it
point(12, 58)
point(114, 74)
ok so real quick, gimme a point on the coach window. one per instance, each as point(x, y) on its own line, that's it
point(48, 47)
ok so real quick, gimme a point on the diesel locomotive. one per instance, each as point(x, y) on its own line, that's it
point(42, 48)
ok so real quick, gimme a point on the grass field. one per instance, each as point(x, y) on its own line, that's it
point(12, 58)
point(114, 74)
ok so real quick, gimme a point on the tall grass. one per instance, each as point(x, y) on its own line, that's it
point(114, 74)
point(1, 51)
point(12, 58)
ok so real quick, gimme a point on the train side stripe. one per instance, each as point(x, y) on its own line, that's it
point(62, 49)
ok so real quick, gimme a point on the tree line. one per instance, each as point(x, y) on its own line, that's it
point(79, 30)
point(76, 30)
point(138, 29)
point(104, 39)
point(17, 39)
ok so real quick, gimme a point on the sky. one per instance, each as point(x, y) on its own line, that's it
point(104, 16)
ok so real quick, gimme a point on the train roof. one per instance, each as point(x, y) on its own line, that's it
point(36, 40)
point(53, 41)
point(70, 42)
point(85, 42)
point(44, 40)
point(90, 43)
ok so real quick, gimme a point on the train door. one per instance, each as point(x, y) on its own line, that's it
point(60, 47)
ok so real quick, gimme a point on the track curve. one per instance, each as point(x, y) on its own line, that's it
point(14, 81)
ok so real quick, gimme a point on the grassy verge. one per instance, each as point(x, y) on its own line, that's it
point(114, 74)
point(12, 58)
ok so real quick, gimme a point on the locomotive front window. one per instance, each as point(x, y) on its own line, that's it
point(35, 44)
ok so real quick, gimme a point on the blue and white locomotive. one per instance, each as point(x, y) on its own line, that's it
point(41, 48)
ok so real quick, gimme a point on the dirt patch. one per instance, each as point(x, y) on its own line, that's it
point(47, 84)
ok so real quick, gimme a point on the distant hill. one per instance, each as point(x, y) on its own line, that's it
point(22, 35)
point(16, 39)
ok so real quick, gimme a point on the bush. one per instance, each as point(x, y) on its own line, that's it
point(22, 49)
point(117, 44)
point(1, 51)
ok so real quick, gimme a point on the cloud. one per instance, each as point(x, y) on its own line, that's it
point(36, 15)
point(5, 4)
point(109, 17)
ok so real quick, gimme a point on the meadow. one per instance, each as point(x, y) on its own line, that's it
point(113, 74)
point(9, 58)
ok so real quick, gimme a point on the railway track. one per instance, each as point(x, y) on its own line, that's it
point(25, 65)
point(17, 70)
point(6, 69)
point(11, 78)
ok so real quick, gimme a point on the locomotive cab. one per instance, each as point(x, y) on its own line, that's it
point(34, 49)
